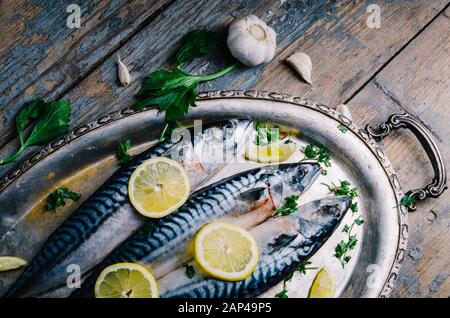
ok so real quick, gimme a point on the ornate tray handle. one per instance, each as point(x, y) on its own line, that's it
point(439, 181)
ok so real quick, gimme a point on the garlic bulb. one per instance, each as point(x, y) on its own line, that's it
point(302, 64)
point(251, 41)
point(122, 70)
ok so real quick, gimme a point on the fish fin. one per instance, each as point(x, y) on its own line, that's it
point(253, 195)
point(281, 242)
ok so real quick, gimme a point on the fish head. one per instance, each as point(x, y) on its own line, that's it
point(319, 218)
point(290, 179)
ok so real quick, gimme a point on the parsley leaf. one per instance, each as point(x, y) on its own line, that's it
point(282, 294)
point(195, 44)
point(57, 197)
point(289, 207)
point(318, 154)
point(304, 267)
point(174, 91)
point(342, 128)
point(122, 151)
point(190, 271)
point(344, 188)
point(51, 120)
point(407, 201)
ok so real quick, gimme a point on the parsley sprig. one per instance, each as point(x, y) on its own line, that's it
point(122, 151)
point(289, 207)
point(342, 128)
point(345, 246)
point(175, 91)
point(49, 120)
point(190, 270)
point(303, 268)
point(318, 154)
point(407, 201)
point(57, 198)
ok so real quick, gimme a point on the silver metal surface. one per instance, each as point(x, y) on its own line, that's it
point(84, 159)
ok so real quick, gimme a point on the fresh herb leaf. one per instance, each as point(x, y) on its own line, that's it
point(359, 220)
point(176, 90)
point(340, 249)
point(346, 228)
point(190, 271)
point(122, 151)
point(354, 207)
point(318, 154)
point(344, 188)
point(51, 121)
point(342, 128)
point(288, 141)
point(266, 135)
point(343, 247)
point(195, 44)
point(282, 294)
point(172, 91)
point(57, 198)
point(324, 172)
point(289, 207)
point(407, 201)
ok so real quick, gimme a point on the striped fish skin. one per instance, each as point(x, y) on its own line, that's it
point(284, 242)
point(233, 196)
point(107, 218)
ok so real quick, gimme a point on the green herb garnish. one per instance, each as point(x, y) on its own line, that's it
point(407, 201)
point(57, 198)
point(344, 188)
point(176, 90)
point(50, 121)
point(302, 268)
point(122, 151)
point(289, 207)
point(342, 128)
point(266, 135)
point(190, 271)
point(318, 154)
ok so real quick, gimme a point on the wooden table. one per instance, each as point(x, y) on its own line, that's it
point(402, 66)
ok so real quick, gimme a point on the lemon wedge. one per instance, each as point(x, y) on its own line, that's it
point(276, 152)
point(11, 262)
point(126, 280)
point(323, 285)
point(158, 187)
point(225, 251)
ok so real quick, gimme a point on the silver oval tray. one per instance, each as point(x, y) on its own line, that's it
point(84, 159)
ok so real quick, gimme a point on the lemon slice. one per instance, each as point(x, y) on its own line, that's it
point(158, 187)
point(270, 153)
point(126, 280)
point(11, 262)
point(225, 251)
point(323, 285)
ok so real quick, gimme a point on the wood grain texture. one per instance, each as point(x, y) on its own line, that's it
point(41, 56)
point(418, 81)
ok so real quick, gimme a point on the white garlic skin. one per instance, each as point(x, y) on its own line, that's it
point(123, 73)
point(251, 41)
point(344, 110)
point(302, 64)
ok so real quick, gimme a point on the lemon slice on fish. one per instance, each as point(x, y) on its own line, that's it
point(11, 262)
point(276, 152)
point(323, 285)
point(126, 280)
point(226, 251)
point(158, 187)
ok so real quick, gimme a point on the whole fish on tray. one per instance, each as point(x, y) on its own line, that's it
point(285, 243)
point(248, 199)
point(107, 218)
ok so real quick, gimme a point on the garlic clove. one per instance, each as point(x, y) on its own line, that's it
point(344, 110)
point(302, 64)
point(251, 41)
point(122, 71)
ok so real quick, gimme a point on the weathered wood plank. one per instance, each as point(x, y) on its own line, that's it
point(41, 55)
point(418, 81)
